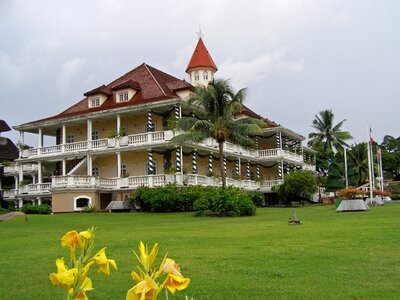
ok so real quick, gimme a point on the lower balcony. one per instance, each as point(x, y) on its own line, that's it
point(133, 182)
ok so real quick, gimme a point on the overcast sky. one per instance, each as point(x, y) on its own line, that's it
point(296, 57)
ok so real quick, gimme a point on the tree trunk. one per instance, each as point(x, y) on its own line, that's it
point(221, 163)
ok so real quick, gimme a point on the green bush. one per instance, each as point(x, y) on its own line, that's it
point(257, 198)
point(203, 200)
point(395, 196)
point(89, 209)
point(4, 211)
point(32, 209)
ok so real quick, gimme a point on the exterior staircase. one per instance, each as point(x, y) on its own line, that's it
point(78, 166)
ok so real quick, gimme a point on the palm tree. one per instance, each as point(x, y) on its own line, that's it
point(214, 108)
point(331, 137)
point(358, 162)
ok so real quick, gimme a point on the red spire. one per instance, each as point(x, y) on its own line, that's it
point(201, 58)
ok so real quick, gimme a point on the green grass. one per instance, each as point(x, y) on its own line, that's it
point(331, 256)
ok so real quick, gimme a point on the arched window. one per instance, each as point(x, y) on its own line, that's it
point(95, 135)
point(205, 75)
point(70, 138)
point(95, 171)
point(82, 201)
point(146, 167)
point(196, 75)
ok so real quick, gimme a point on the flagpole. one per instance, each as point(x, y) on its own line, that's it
point(369, 167)
point(345, 167)
point(372, 165)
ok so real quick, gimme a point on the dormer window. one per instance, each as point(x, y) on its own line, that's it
point(205, 75)
point(95, 102)
point(122, 97)
point(196, 75)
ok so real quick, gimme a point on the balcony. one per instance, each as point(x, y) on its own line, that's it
point(309, 167)
point(142, 139)
point(14, 169)
point(273, 154)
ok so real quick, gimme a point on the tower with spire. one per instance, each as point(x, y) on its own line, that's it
point(201, 67)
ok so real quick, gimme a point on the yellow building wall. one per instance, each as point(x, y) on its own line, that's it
point(64, 202)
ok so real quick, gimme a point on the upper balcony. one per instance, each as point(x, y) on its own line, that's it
point(151, 139)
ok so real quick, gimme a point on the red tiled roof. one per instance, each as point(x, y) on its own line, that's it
point(249, 112)
point(201, 58)
point(127, 84)
point(105, 90)
point(152, 84)
point(4, 126)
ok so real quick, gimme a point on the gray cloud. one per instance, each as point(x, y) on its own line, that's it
point(296, 57)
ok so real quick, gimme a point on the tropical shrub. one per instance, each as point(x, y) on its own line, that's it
point(203, 200)
point(89, 209)
point(257, 198)
point(351, 192)
point(298, 186)
point(32, 209)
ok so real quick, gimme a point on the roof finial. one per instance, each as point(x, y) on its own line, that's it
point(199, 33)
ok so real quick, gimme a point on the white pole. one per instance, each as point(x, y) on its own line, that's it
point(369, 167)
point(372, 164)
point(380, 168)
point(345, 167)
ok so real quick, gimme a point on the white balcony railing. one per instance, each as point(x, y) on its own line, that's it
point(279, 153)
point(101, 144)
point(13, 169)
point(10, 194)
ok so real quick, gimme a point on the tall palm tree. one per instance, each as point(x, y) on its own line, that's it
point(214, 108)
point(329, 135)
point(358, 162)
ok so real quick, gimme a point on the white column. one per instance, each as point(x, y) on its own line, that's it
point(40, 138)
point(21, 137)
point(63, 137)
point(33, 179)
point(89, 133)
point(118, 123)
point(16, 182)
point(64, 167)
point(39, 201)
point(118, 164)
point(20, 173)
point(20, 203)
point(40, 175)
point(345, 167)
point(89, 165)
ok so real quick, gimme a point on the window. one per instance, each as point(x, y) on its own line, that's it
point(196, 75)
point(70, 138)
point(95, 102)
point(95, 171)
point(95, 135)
point(205, 75)
point(81, 201)
point(123, 96)
point(146, 167)
point(124, 170)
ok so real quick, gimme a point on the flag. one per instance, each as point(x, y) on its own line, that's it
point(378, 152)
point(370, 135)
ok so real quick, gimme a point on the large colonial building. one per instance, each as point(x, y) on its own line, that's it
point(117, 138)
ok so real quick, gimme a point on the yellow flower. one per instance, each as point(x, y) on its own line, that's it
point(86, 286)
point(63, 277)
point(84, 237)
point(71, 240)
point(147, 259)
point(173, 282)
point(136, 277)
point(170, 267)
point(103, 262)
point(145, 290)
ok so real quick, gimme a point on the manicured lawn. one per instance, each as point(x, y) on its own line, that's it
point(331, 256)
